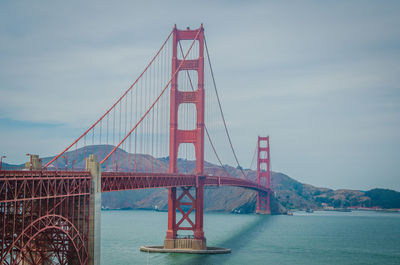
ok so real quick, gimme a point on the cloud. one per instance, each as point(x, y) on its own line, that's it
point(320, 78)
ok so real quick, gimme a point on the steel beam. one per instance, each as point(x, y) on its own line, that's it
point(44, 217)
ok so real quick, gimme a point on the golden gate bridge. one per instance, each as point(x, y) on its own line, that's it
point(166, 118)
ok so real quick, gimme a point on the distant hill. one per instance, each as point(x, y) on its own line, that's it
point(384, 198)
point(6, 166)
point(288, 193)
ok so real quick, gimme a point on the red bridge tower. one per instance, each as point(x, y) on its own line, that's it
point(263, 175)
point(184, 196)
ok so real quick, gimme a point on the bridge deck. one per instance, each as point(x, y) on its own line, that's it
point(116, 181)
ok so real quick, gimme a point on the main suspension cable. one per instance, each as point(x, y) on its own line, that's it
point(252, 160)
point(205, 126)
point(220, 108)
point(154, 103)
point(113, 106)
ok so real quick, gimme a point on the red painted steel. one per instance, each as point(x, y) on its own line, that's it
point(44, 217)
point(195, 137)
point(263, 174)
point(117, 181)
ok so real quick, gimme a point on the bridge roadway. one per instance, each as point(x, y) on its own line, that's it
point(115, 181)
point(32, 180)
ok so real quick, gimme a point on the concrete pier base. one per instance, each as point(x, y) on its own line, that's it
point(209, 250)
point(263, 212)
point(185, 243)
point(95, 210)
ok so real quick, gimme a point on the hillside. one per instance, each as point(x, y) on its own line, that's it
point(288, 193)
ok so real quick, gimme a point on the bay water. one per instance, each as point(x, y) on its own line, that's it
point(357, 237)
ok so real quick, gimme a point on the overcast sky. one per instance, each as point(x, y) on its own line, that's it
point(322, 78)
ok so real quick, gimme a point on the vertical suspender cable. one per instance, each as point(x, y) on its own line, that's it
point(220, 108)
point(153, 104)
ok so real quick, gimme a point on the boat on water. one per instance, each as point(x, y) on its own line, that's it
point(309, 210)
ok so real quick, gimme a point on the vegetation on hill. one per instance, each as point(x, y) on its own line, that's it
point(384, 198)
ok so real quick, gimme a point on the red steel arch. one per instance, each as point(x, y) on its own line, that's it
point(44, 215)
point(53, 222)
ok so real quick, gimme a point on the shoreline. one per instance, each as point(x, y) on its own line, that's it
point(291, 210)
